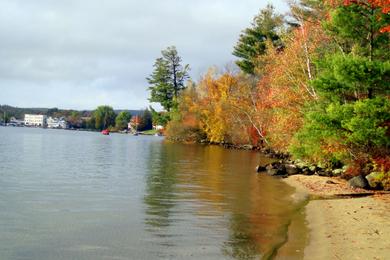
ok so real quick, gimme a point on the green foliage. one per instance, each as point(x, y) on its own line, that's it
point(252, 43)
point(351, 77)
point(122, 120)
point(4, 117)
point(319, 139)
point(341, 129)
point(366, 122)
point(160, 118)
point(104, 117)
point(146, 121)
point(357, 29)
point(168, 78)
point(352, 117)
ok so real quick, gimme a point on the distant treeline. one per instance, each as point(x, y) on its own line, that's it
point(19, 112)
point(102, 117)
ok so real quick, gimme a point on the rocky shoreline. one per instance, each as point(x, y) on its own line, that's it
point(286, 167)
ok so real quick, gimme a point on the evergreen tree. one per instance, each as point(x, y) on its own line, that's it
point(352, 118)
point(146, 121)
point(357, 28)
point(252, 43)
point(168, 78)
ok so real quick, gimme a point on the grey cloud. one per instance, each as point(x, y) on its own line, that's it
point(79, 54)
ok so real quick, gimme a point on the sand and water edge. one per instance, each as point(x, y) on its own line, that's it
point(341, 222)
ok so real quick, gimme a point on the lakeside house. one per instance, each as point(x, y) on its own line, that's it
point(54, 122)
point(15, 122)
point(35, 120)
point(158, 127)
point(44, 121)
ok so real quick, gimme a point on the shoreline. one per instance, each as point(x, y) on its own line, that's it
point(342, 226)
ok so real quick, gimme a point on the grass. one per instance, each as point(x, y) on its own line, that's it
point(149, 132)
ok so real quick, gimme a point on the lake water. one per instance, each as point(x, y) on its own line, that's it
point(82, 195)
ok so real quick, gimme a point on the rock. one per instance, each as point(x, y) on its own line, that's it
point(247, 147)
point(373, 180)
point(272, 172)
point(260, 168)
point(300, 165)
point(330, 182)
point(312, 168)
point(324, 173)
point(337, 172)
point(358, 182)
point(276, 168)
point(291, 169)
point(306, 171)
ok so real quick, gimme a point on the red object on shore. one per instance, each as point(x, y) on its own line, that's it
point(106, 132)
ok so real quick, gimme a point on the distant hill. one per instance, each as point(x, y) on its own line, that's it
point(18, 112)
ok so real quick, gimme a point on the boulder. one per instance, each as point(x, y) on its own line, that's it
point(260, 168)
point(247, 147)
point(276, 168)
point(306, 171)
point(359, 182)
point(337, 172)
point(324, 173)
point(291, 169)
point(373, 180)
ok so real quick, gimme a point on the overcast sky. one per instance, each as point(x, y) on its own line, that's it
point(78, 54)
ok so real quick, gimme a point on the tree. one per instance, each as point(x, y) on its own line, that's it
point(358, 26)
point(4, 116)
point(351, 118)
point(146, 121)
point(159, 118)
point(265, 27)
point(122, 120)
point(168, 78)
point(104, 117)
point(74, 119)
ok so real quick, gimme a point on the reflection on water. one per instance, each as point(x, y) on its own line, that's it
point(222, 208)
point(78, 195)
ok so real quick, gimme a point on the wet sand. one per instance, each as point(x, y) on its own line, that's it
point(343, 228)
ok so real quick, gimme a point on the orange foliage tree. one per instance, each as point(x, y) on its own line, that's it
point(284, 87)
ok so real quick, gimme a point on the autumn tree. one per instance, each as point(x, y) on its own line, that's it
point(185, 124)
point(266, 26)
point(168, 78)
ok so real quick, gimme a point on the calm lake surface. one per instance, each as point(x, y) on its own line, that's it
point(82, 195)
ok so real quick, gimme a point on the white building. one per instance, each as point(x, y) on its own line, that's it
point(35, 120)
point(158, 127)
point(56, 123)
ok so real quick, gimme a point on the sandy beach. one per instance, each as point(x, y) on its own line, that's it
point(343, 228)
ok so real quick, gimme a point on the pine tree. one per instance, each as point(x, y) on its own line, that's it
point(168, 78)
point(252, 43)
